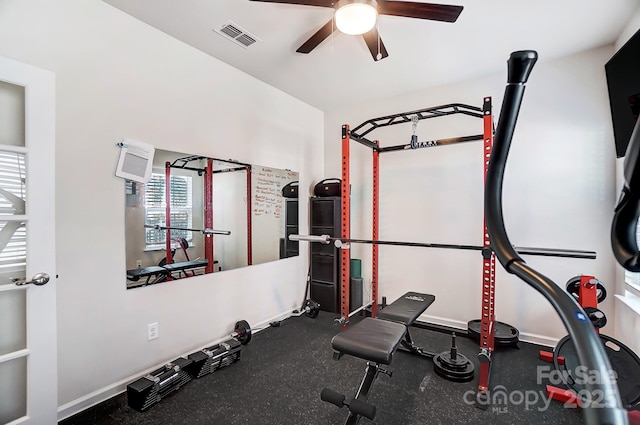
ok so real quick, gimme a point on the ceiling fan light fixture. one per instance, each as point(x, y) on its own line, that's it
point(355, 17)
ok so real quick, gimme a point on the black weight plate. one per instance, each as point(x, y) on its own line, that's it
point(566, 350)
point(624, 362)
point(504, 334)
point(601, 291)
point(243, 331)
point(459, 370)
point(573, 287)
point(314, 308)
point(596, 316)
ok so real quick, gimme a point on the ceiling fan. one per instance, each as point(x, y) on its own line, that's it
point(358, 17)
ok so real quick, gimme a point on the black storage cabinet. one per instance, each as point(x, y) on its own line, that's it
point(291, 228)
point(325, 258)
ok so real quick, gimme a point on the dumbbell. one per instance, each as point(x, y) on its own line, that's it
point(242, 332)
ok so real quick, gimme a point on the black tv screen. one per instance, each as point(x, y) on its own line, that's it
point(623, 81)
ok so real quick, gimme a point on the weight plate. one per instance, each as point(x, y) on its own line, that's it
point(624, 363)
point(243, 332)
point(313, 308)
point(601, 291)
point(504, 334)
point(573, 287)
point(458, 370)
point(596, 316)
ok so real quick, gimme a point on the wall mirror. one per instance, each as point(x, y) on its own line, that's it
point(215, 215)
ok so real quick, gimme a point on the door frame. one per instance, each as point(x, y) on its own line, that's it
point(41, 350)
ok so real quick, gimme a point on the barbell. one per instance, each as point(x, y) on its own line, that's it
point(203, 231)
point(310, 308)
point(343, 243)
point(242, 332)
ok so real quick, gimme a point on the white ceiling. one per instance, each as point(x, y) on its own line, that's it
point(422, 53)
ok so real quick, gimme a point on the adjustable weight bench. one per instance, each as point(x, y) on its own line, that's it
point(375, 340)
point(183, 266)
point(406, 310)
point(153, 274)
point(156, 274)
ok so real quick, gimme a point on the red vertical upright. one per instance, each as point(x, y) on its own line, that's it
point(487, 318)
point(167, 210)
point(249, 226)
point(345, 229)
point(208, 216)
point(375, 220)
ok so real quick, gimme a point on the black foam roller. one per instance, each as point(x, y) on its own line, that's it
point(332, 397)
point(361, 408)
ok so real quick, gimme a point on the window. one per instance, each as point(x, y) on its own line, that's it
point(155, 209)
point(13, 252)
point(632, 280)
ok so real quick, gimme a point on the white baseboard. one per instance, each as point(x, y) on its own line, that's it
point(524, 336)
point(546, 341)
point(82, 403)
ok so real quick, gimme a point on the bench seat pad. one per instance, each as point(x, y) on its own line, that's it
point(136, 274)
point(370, 339)
point(185, 265)
point(407, 308)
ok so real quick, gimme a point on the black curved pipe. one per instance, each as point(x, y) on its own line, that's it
point(625, 218)
point(588, 346)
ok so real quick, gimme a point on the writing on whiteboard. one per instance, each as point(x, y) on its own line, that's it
point(267, 190)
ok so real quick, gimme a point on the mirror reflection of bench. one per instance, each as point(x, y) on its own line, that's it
point(156, 274)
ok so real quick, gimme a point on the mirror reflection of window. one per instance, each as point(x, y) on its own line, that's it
point(155, 209)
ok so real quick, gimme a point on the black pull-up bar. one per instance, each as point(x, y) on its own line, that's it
point(404, 117)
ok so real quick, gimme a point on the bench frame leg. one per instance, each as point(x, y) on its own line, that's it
point(408, 345)
point(370, 375)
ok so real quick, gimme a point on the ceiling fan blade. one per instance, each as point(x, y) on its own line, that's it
point(319, 3)
point(431, 11)
point(317, 38)
point(371, 38)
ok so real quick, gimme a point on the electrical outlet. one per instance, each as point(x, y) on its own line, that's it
point(138, 263)
point(152, 331)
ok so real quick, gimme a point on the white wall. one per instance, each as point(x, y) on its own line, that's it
point(558, 191)
point(117, 77)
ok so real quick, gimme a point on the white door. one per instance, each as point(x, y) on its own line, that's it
point(28, 361)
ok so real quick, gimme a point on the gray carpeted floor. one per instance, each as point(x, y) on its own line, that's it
point(282, 370)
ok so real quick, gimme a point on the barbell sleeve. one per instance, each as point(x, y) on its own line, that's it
point(215, 232)
point(325, 239)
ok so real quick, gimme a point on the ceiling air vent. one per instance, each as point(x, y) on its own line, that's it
point(237, 34)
